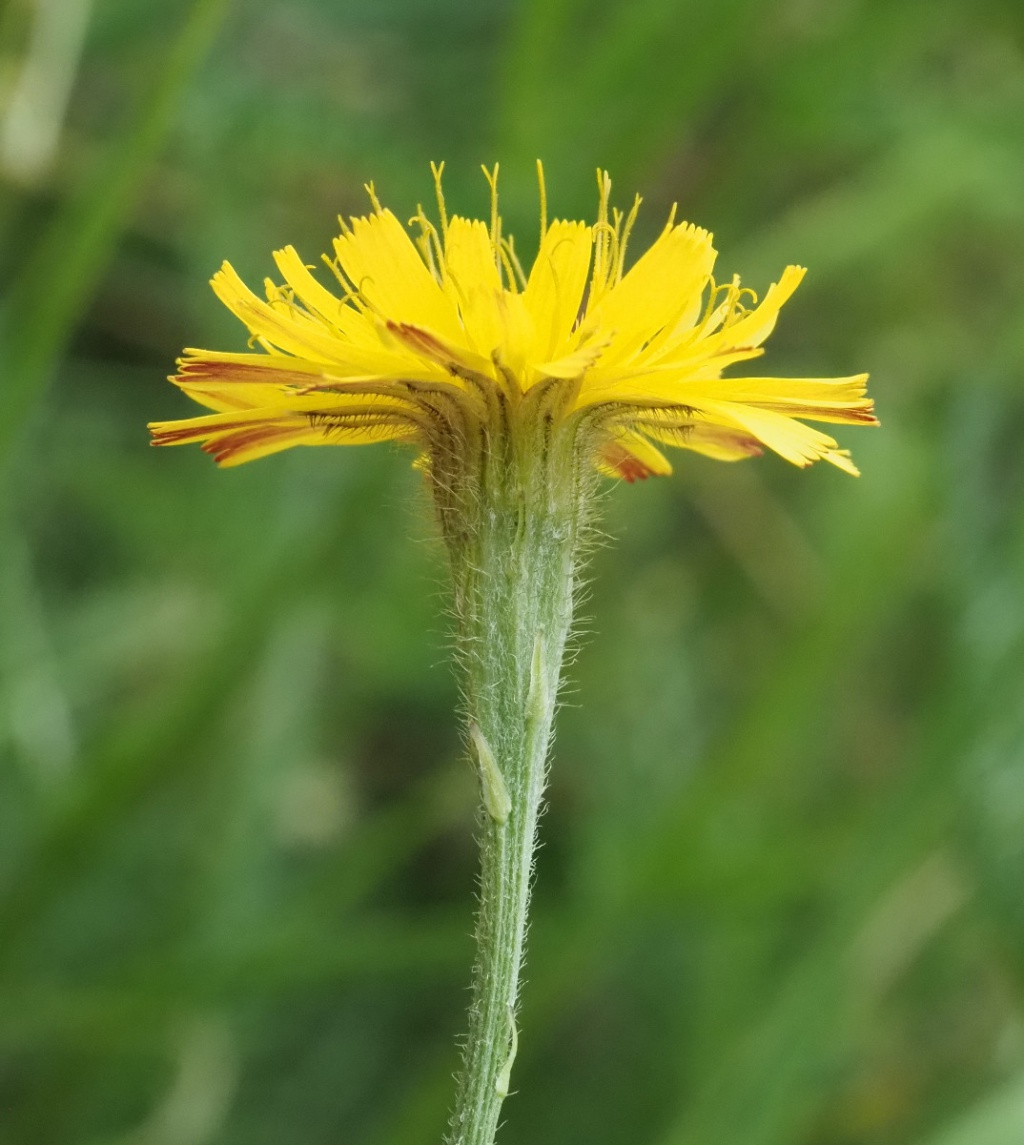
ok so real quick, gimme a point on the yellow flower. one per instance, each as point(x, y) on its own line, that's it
point(434, 337)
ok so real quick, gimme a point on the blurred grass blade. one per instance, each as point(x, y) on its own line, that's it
point(559, 104)
point(118, 770)
point(62, 270)
point(33, 120)
point(995, 1120)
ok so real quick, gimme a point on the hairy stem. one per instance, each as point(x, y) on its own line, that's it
point(515, 560)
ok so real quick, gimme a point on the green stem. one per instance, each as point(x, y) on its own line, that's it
point(515, 557)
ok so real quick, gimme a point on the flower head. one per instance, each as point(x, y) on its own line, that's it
point(436, 339)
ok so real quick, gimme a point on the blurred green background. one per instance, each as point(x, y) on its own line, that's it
point(781, 897)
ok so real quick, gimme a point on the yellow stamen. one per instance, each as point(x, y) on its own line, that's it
point(508, 267)
point(508, 246)
point(492, 179)
point(437, 170)
point(351, 294)
point(604, 193)
point(543, 200)
point(627, 227)
point(429, 243)
point(371, 191)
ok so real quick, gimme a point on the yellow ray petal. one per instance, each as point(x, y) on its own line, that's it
point(753, 328)
point(238, 436)
point(661, 288)
point(341, 315)
point(632, 457)
point(286, 331)
point(235, 396)
point(295, 333)
point(579, 361)
point(240, 446)
point(815, 399)
point(225, 382)
point(382, 263)
point(801, 444)
point(554, 292)
point(246, 381)
point(473, 282)
point(714, 441)
point(308, 408)
point(518, 339)
point(456, 362)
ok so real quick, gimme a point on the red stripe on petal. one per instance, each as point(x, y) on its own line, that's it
point(624, 463)
point(222, 449)
point(208, 369)
point(864, 414)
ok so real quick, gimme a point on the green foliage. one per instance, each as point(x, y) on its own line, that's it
point(780, 897)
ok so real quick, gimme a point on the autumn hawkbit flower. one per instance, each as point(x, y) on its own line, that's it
point(517, 389)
